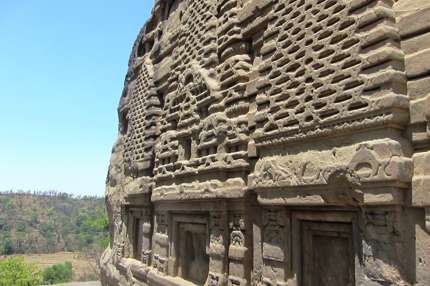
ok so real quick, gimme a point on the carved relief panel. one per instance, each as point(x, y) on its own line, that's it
point(275, 245)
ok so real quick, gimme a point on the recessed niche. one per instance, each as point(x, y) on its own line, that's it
point(123, 119)
point(141, 50)
point(171, 8)
point(185, 145)
point(137, 239)
point(193, 259)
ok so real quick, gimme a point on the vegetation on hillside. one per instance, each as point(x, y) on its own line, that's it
point(47, 222)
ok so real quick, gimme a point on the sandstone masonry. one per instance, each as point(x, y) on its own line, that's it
point(275, 143)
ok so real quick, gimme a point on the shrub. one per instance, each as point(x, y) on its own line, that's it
point(6, 245)
point(58, 273)
point(15, 272)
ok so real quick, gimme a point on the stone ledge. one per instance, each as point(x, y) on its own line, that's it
point(149, 275)
point(157, 279)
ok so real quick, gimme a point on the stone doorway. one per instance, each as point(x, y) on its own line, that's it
point(328, 257)
point(193, 258)
point(137, 238)
point(190, 246)
point(326, 253)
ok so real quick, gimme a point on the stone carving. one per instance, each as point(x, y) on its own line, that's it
point(365, 164)
point(215, 279)
point(217, 228)
point(119, 240)
point(146, 257)
point(274, 235)
point(237, 227)
point(288, 140)
point(161, 223)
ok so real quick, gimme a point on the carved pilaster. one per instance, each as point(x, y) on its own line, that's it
point(237, 252)
point(119, 236)
point(146, 226)
point(275, 226)
point(161, 244)
point(217, 246)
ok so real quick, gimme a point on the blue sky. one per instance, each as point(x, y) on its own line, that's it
point(62, 68)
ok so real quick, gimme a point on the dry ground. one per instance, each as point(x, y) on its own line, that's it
point(83, 268)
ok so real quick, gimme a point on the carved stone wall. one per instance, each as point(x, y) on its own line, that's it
point(274, 142)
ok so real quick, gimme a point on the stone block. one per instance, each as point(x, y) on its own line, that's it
point(421, 180)
point(418, 64)
point(415, 44)
point(420, 110)
point(414, 20)
point(418, 88)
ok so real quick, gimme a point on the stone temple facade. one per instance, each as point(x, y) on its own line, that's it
point(274, 142)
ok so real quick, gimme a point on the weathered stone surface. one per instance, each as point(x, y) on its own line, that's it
point(274, 142)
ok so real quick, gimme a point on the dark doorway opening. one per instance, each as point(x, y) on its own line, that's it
point(193, 259)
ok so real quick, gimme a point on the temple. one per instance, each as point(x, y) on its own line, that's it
point(274, 143)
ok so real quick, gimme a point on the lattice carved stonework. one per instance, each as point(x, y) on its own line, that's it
point(194, 45)
point(327, 63)
point(143, 121)
point(321, 66)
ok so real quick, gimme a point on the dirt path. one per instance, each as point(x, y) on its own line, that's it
point(94, 283)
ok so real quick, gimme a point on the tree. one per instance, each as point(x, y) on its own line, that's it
point(15, 272)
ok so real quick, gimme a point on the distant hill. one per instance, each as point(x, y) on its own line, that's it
point(47, 222)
